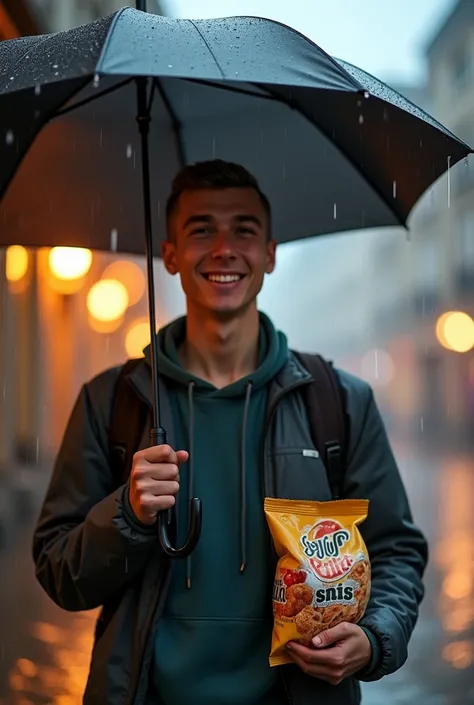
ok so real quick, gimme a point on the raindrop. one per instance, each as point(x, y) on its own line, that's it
point(113, 239)
point(334, 213)
point(394, 189)
point(37, 89)
point(422, 424)
point(129, 151)
point(466, 161)
point(449, 182)
point(361, 119)
point(55, 66)
point(9, 137)
point(96, 81)
point(385, 115)
point(170, 66)
point(366, 94)
point(236, 73)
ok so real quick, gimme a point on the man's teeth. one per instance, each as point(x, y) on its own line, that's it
point(223, 278)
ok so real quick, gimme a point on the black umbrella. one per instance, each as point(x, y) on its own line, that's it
point(334, 148)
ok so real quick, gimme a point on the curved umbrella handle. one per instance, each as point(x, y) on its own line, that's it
point(195, 524)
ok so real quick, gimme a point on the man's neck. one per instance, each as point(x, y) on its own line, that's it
point(220, 351)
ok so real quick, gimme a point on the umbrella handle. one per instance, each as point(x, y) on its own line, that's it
point(195, 523)
point(158, 438)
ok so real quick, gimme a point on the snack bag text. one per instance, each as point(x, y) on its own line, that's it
point(323, 573)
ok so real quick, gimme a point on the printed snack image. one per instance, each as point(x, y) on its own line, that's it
point(323, 572)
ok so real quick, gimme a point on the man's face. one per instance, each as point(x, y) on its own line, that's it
point(218, 244)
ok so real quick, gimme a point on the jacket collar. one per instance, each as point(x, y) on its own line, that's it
point(291, 374)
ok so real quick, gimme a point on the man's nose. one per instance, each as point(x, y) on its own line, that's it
point(223, 246)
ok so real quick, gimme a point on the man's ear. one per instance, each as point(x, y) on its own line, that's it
point(168, 254)
point(271, 256)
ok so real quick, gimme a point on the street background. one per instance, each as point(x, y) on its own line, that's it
point(393, 307)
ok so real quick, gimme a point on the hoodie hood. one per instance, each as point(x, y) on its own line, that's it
point(272, 355)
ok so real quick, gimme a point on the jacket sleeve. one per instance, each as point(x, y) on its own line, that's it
point(86, 544)
point(397, 548)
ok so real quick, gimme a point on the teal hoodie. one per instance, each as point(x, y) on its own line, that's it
point(213, 641)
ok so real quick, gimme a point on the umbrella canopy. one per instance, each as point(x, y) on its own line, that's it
point(333, 148)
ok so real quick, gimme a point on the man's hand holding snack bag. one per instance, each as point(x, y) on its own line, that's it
point(334, 654)
point(321, 587)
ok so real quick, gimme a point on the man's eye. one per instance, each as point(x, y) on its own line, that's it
point(200, 231)
point(246, 231)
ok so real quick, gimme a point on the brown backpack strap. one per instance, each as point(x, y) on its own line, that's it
point(127, 423)
point(325, 405)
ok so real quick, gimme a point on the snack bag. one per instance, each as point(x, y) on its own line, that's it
point(323, 573)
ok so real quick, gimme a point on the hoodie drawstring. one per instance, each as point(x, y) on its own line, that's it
point(243, 480)
point(243, 475)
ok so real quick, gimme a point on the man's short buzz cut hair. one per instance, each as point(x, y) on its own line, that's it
point(214, 174)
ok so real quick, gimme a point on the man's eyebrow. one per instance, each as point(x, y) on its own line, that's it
point(197, 219)
point(247, 218)
point(241, 218)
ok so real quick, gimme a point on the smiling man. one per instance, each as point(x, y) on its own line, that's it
point(198, 632)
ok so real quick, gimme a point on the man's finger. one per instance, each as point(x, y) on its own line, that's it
point(332, 636)
point(182, 456)
point(314, 670)
point(326, 658)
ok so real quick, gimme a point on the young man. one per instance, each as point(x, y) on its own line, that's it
point(197, 632)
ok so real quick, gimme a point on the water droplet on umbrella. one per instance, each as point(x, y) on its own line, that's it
point(170, 66)
point(366, 94)
point(236, 73)
point(12, 78)
point(113, 239)
point(129, 151)
point(96, 81)
point(334, 214)
point(9, 137)
point(37, 89)
point(394, 189)
point(361, 119)
point(55, 66)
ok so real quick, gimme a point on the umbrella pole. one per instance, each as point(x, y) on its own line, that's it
point(141, 5)
point(158, 433)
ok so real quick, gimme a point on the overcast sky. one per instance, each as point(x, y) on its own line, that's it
point(385, 37)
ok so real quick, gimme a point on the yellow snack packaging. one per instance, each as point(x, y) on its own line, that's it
point(323, 573)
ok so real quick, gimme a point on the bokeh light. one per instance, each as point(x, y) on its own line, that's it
point(455, 331)
point(16, 264)
point(137, 337)
point(107, 300)
point(131, 276)
point(70, 262)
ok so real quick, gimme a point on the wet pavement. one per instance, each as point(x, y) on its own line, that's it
point(44, 652)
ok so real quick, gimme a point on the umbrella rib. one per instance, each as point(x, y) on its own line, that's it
point(175, 123)
point(208, 47)
point(91, 99)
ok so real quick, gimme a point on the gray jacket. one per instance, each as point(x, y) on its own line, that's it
point(90, 552)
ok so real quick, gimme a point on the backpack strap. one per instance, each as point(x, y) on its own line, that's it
point(128, 418)
point(325, 406)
